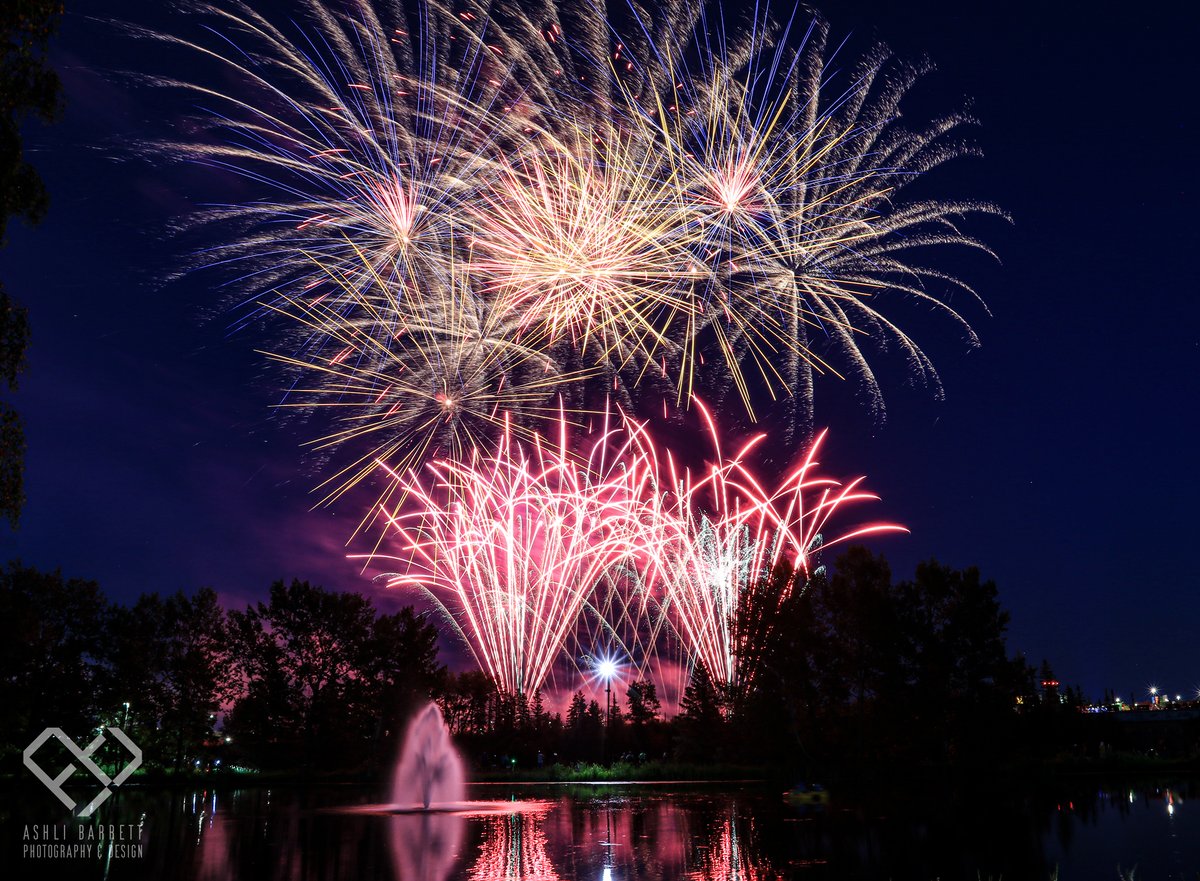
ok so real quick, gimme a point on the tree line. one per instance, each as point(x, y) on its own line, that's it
point(854, 669)
point(845, 668)
point(310, 678)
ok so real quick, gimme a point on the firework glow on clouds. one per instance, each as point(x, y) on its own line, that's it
point(484, 232)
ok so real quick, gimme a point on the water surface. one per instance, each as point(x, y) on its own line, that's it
point(624, 833)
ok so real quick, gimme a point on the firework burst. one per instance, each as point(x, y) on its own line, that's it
point(797, 187)
point(653, 195)
point(445, 380)
point(512, 546)
point(728, 531)
point(351, 130)
point(588, 250)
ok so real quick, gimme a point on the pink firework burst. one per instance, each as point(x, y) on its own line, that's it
point(512, 544)
point(728, 532)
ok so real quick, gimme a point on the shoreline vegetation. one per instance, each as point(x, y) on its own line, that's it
point(692, 774)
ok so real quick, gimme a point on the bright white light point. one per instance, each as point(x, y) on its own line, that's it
point(1154, 689)
point(606, 669)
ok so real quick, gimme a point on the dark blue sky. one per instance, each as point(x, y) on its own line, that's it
point(1062, 462)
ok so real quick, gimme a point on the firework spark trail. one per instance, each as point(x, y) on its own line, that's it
point(448, 379)
point(519, 547)
point(624, 620)
point(590, 251)
point(730, 531)
point(512, 545)
point(798, 186)
point(655, 186)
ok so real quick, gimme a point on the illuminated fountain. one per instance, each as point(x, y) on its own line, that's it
point(427, 792)
point(428, 810)
point(430, 779)
point(429, 776)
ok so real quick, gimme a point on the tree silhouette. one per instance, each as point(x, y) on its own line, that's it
point(325, 676)
point(644, 706)
point(51, 635)
point(700, 723)
point(27, 87)
point(165, 673)
point(958, 674)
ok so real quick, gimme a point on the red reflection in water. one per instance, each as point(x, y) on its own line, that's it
point(590, 836)
point(728, 857)
point(514, 847)
point(632, 839)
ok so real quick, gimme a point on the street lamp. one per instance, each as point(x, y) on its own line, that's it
point(606, 669)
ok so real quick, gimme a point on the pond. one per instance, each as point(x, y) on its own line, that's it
point(619, 832)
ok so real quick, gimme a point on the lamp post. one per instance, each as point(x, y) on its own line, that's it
point(606, 669)
point(124, 724)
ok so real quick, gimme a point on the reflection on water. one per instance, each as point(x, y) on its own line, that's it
point(514, 846)
point(636, 834)
point(425, 847)
point(731, 857)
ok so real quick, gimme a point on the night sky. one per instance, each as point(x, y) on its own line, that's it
point(1062, 462)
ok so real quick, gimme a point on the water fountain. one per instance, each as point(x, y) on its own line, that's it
point(429, 778)
point(428, 810)
point(429, 775)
